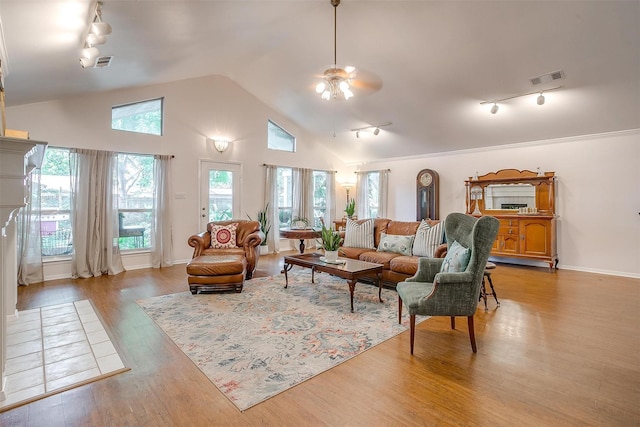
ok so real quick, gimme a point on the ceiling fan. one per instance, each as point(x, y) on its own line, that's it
point(339, 82)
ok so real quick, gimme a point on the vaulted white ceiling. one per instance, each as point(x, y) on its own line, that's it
point(437, 60)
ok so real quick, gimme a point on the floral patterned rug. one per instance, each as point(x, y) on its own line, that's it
point(265, 340)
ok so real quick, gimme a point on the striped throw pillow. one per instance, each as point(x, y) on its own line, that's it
point(427, 239)
point(359, 235)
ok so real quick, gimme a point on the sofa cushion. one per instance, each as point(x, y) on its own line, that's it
point(397, 244)
point(378, 257)
point(428, 238)
point(359, 234)
point(404, 264)
point(353, 253)
point(457, 258)
point(223, 236)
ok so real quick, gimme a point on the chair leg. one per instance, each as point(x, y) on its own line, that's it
point(399, 310)
point(453, 322)
point(412, 324)
point(472, 334)
point(493, 290)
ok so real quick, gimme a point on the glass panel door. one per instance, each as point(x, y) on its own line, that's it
point(219, 192)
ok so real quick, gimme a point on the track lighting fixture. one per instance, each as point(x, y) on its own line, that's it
point(96, 35)
point(374, 129)
point(539, 100)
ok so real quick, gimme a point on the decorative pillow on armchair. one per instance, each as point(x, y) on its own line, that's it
point(457, 259)
point(428, 238)
point(359, 235)
point(396, 244)
point(223, 236)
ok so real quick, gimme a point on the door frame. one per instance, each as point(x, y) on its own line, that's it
point(206, 165)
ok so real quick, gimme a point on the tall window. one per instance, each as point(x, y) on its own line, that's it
point(373, 195)
point(279, 139)
point(285, 196)
point(319, 197)
point(135, 200)
point(135, 190)
point(286, 202)
point(55, 210)
point(141, 117)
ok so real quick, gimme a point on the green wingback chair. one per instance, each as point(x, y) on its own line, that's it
point(434, 293)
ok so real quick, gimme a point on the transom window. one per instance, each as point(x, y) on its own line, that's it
point(279, 139)
point(140, 117)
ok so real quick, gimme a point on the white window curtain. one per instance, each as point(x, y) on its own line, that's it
point(364, 190)
point(303, 193)
point(362, 195)
point(383, 193)
point(161, 236)
point(29, 240)
point(94, 213)
point(330, 212)
point(271, 201)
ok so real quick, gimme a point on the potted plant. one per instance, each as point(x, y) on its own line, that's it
point(299, 222)
point(350, 209)
point(331, 243)
point(265, 227)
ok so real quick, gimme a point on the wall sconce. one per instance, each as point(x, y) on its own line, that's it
point(539, 100)
point(375, 129)
point(221, 145)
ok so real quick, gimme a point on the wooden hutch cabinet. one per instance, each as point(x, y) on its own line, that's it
point(524, 203)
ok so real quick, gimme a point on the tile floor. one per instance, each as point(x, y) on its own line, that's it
point(54, 347)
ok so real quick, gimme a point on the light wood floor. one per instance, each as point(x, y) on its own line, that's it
point(563, 349)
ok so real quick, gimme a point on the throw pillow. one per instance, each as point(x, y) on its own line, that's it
point(457, 258)
point(396, 244)
point(359, 235)
point(223, 236)
point(428, 238)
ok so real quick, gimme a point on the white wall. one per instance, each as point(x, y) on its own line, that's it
point(598, 176)
point(194, 110)
point(598, 193)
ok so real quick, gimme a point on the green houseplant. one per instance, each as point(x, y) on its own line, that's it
point(350, 208)
point(331, 243)
point(265, 226)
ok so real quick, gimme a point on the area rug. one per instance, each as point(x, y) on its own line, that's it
point(267, 339)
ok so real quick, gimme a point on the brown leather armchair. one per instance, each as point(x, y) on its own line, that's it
point(248, 239)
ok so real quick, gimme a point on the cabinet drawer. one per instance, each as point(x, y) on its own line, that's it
point(509, 223)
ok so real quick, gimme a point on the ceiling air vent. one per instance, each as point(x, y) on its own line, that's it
point(546, 78)
point(103, 61)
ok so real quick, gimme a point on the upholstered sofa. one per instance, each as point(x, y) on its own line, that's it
point(397, 267)
point(247, 241)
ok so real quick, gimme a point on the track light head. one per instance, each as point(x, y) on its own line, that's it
point(376, 131)
point(357, 134)
point(540, 99)
point(495, 108)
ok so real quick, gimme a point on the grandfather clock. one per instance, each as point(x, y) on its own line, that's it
point(427, 194)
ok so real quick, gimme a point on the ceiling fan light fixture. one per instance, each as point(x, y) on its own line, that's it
point(335, 82)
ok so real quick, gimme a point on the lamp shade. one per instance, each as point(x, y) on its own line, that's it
point(221, 145)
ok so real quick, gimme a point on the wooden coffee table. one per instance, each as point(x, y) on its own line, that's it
point(351, 270)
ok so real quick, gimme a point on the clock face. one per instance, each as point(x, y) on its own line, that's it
point(426, 179)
